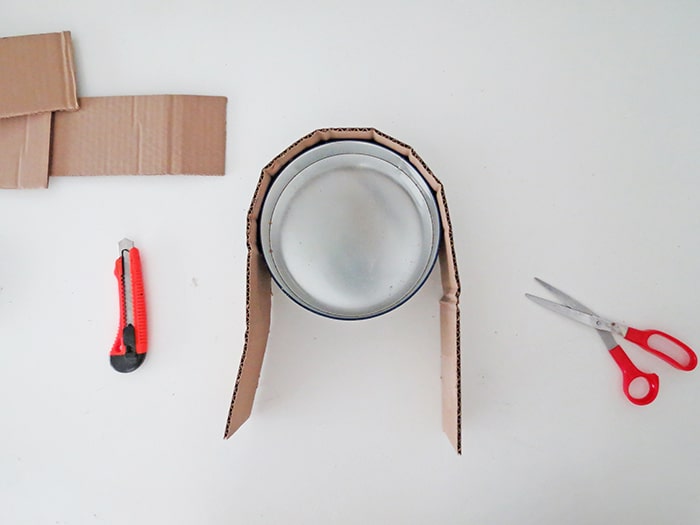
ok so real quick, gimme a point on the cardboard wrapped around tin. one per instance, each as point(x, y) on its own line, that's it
point(259, 291)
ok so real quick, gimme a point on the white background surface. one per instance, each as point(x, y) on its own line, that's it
point(567, 138)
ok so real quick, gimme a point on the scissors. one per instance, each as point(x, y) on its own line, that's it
point(656, 342)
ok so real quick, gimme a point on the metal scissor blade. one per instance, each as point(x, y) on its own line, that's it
point(576, 311)
point(566, 299)
point(591, 320)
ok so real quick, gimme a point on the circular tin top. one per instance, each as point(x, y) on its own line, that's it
point(349, 229)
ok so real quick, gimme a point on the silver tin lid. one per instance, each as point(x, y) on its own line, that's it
point(349, 229)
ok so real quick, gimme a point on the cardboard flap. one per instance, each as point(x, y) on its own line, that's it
point(24, 151)
point(142, 135)
point(258, 287)
point(258, 305)
point(37, 74)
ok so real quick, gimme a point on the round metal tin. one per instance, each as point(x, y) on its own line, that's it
point(349, 229)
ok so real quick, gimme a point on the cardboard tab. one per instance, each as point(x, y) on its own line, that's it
point(24, 151)
point(37, 74)
point(258, 277)
point(142, 135)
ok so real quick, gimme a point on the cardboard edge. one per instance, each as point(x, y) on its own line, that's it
point(253, 350)
point(240, 410)
point(69, 72)
point(259, 302)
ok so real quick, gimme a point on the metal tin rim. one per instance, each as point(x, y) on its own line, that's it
point(324, 151)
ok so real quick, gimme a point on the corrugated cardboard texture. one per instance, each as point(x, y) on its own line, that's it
point(36, 74)
point(143, 135)
point(24, 151)
point(258, 301)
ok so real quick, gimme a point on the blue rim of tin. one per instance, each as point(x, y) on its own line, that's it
point(430, 266)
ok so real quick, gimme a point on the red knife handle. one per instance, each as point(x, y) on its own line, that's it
point(139, 302)
point(138, 332)
point(117, 347)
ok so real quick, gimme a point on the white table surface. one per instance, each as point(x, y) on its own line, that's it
point(566, 135)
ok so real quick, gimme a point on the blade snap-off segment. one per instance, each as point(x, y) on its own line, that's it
point(131, 343)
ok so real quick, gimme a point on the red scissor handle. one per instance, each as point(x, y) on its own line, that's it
point(630, 373)
point(648, 339)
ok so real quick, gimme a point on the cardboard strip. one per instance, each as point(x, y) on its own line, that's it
point(37, 74)
point(258, 277)
point(24, 151)
point(142, 135)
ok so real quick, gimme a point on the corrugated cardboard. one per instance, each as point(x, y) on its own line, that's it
point(24, 151)
point(143, 135)
point(37, 74)
point(258, 288)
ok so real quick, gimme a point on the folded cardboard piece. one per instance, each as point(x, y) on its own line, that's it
point(37, 74)
point(141, 135)
point(258, 286)
point(24, 151)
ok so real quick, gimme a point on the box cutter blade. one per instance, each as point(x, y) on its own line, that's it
point(131, 343)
